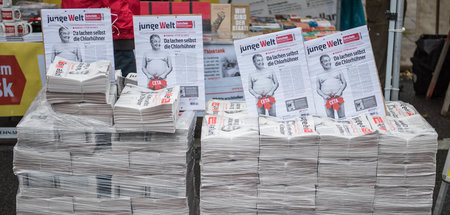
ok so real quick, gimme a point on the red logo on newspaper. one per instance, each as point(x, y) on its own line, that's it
point(351, 38)
point(307, 130)
point(157, 84)
point(266, 102)
point(212, 120)
point(380, 123)
point(12, 80)
point(378, 120)
point(185, 24)
point(285, 39)
point(335, 103)
point(165, 100)
point(366, 130)
point(93, 16)
point(60, 64)
point(215, 106)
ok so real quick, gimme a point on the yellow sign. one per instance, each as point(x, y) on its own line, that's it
point(20, 78)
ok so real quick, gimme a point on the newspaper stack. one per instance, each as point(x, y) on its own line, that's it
point(287, 166)
point(347, 166)
point(406, 163)
point(73, 82)
point(399, 109)
point(131, 79)
point(229, 165)
point(141, 109)
point(98, 111)
point(68, 164)
point(223, 107)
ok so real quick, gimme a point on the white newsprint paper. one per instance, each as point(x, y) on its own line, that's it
point(344, 75)
point(81, 35)
point(222, 76)
point(274, 74)
point(169, 52)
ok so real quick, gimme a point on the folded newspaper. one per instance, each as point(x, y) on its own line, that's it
point(69, 81)
point(223, 107)
point(142, 109)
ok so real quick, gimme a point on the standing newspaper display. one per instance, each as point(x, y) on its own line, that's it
point(343, 75)
point(274, 74)
point(222, 76)
point(82, 35)
point(169, 52)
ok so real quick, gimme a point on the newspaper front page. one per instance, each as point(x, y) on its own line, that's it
point(344, 75)
point(81, 35)
point(169, 52)
point(222, 76)
point(274, 74)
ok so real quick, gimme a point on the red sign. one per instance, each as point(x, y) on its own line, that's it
point(93, 16)
point(185, 24)
point(212, 120)
point(350, 38)
point(12, 81)
point(285, 39)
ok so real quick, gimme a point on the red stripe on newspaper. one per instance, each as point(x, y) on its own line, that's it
point(285, 39)
point(93, 16)
point(185, 24)
point(351, 38)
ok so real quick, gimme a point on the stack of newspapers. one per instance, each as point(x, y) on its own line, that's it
point(229, 164)
point(82, 89)
point(72, 82)
point(287, 166)
point(142, 109)
point(347, 166)
point(67, 164)
point(406, 161)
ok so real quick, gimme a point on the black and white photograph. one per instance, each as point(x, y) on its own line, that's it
point(157, 64)
point(66, 49)
point(330, 86)
point(262, 85)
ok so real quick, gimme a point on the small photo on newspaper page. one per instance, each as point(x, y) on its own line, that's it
point(169, 52)
point(222, 76)
point(344, 75)
point(274, 74)
point(81, 35)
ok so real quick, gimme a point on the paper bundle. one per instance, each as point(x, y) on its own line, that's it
point(102, 112)
point(69, 164)
point(287, 165)
point(229, 165)
point(347, 166)
point(47, 185)
point(44, 206)
point(72, 82)
point(399, 109)
point(406, 164)
point(141, 109)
